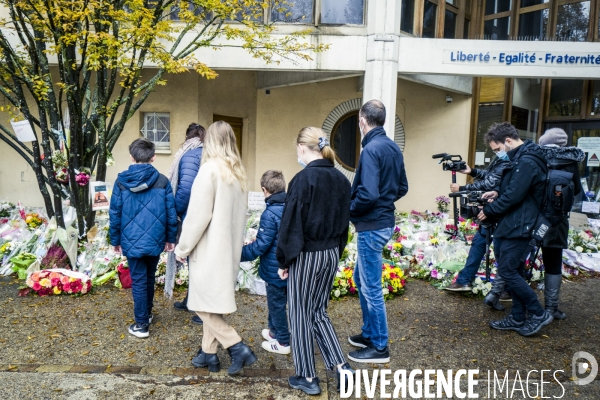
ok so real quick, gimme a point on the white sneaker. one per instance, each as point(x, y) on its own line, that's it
point(275, 347)
point(266, 334)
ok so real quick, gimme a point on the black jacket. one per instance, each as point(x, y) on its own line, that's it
point(521, 193)
point(566, 159)
point(316, 214)
point(489, 178)
point(380, 180)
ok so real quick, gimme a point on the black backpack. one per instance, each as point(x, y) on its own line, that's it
point(559, 195)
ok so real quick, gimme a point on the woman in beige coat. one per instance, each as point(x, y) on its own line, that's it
point(212, 237)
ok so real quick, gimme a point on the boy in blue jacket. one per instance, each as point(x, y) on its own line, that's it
point(277, 337)
point(143, 224)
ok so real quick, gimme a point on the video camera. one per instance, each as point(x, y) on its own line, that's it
point(470, 204)
point(451, 162)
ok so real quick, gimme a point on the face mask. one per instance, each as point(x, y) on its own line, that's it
point(502, 155)
point(302, 163)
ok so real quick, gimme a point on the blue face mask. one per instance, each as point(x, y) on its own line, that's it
point(302, 164)
point(502, 155)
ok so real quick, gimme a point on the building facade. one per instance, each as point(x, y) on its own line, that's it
point(407, 53)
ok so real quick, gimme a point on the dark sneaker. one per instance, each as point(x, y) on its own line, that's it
point(196, 319)
point(180, 305)
point(359, 341)
point(455, 287)
point(370, 355)
point(533, 324)
point(139, 330)
point(346, 367)
point(507, 323)
point(301, 383)
point(505, 296)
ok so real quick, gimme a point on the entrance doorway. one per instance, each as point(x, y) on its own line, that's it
point(237, 124)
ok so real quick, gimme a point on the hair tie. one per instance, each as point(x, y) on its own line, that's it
point(323, 142)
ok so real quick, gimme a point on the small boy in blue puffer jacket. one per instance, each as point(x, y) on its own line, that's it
point(143, 224)
point(277, 337)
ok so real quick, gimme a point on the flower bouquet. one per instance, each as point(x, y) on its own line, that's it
point(56, 257)
point(59, 281)
point(34, 221)
point(181, 276)
point(343, 283)
point(442, 203)
point(82, 177)
point(392, 281)
point(6, 209)
point(21, 263)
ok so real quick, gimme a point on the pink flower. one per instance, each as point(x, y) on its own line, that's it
point(64, 280)
point(352, 290)
point(82, 179)
point(44, 274)
point(35, 277)
point(36, 286)
point(390, 288)
point(55, 275)
point(55, 281)
point(76, 286)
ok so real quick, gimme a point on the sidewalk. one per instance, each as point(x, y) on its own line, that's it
point(48, 344)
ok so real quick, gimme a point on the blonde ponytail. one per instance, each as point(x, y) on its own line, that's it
point(315, 140)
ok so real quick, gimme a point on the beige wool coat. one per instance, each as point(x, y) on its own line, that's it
point(212, 236)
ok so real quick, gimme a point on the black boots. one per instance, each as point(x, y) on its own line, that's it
point(493, 300)
point(241, 355)
point(552, 285)
point(181, 305)
point(203, 360)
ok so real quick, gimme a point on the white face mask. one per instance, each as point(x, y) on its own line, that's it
point(302, 163)
point(360, 128)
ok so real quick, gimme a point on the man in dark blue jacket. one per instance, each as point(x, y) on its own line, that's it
point(277, 337)
point(520, 198)
point(380, 181)
point(143, 224)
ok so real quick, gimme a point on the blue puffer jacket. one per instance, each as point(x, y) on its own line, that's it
point(265, 245)
point(142, 212)
point(189, 165)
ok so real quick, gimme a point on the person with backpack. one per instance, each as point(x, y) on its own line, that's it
point(517, 208)
point(553, 144)
point(143, 224)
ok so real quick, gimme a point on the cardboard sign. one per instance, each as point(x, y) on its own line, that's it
point(100, 196)
point(256, 201)
point(591, 146)
point(23, 131)
point(590, 207)
point(578, 220)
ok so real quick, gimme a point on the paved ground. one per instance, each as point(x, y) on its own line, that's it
point(68, 347)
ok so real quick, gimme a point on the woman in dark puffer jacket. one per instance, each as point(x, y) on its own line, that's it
point(183, 171)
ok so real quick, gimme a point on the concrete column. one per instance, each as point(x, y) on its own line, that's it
point(381, 73)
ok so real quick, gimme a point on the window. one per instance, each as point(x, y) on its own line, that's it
point(533, 25)
point(572, 24)
point(293, 11)
point(526, 106)
point(595, 98)
point(407, 16)
point(490, 110)
point(237, 125)
point(466, 29)
point(566, 96)
point(342, 12)
point(497, 29)
point(450, 25)
point(156, 128)
point(497, 6)
point(346, 140)
point(429, 19)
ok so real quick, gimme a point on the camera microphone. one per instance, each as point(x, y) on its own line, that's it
point(441, 155)
point(458, 194)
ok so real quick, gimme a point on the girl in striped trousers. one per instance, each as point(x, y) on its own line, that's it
point(312, 236)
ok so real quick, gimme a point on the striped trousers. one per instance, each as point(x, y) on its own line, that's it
point(310, 282)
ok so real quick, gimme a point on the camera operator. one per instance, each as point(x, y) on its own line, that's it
point(486, 180)
point(517, 206)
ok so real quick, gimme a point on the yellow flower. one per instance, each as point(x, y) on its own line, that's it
point(45, 283)
point(397, 247)
point(56, 290)
point(72, 279)
point(434, 241)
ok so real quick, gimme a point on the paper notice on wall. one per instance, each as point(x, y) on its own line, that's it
point(480, 158)
point(590, 207)
point(256, 201)
point(591, 146)
point(100, 196)
point(23, 131)
point(578, 220)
